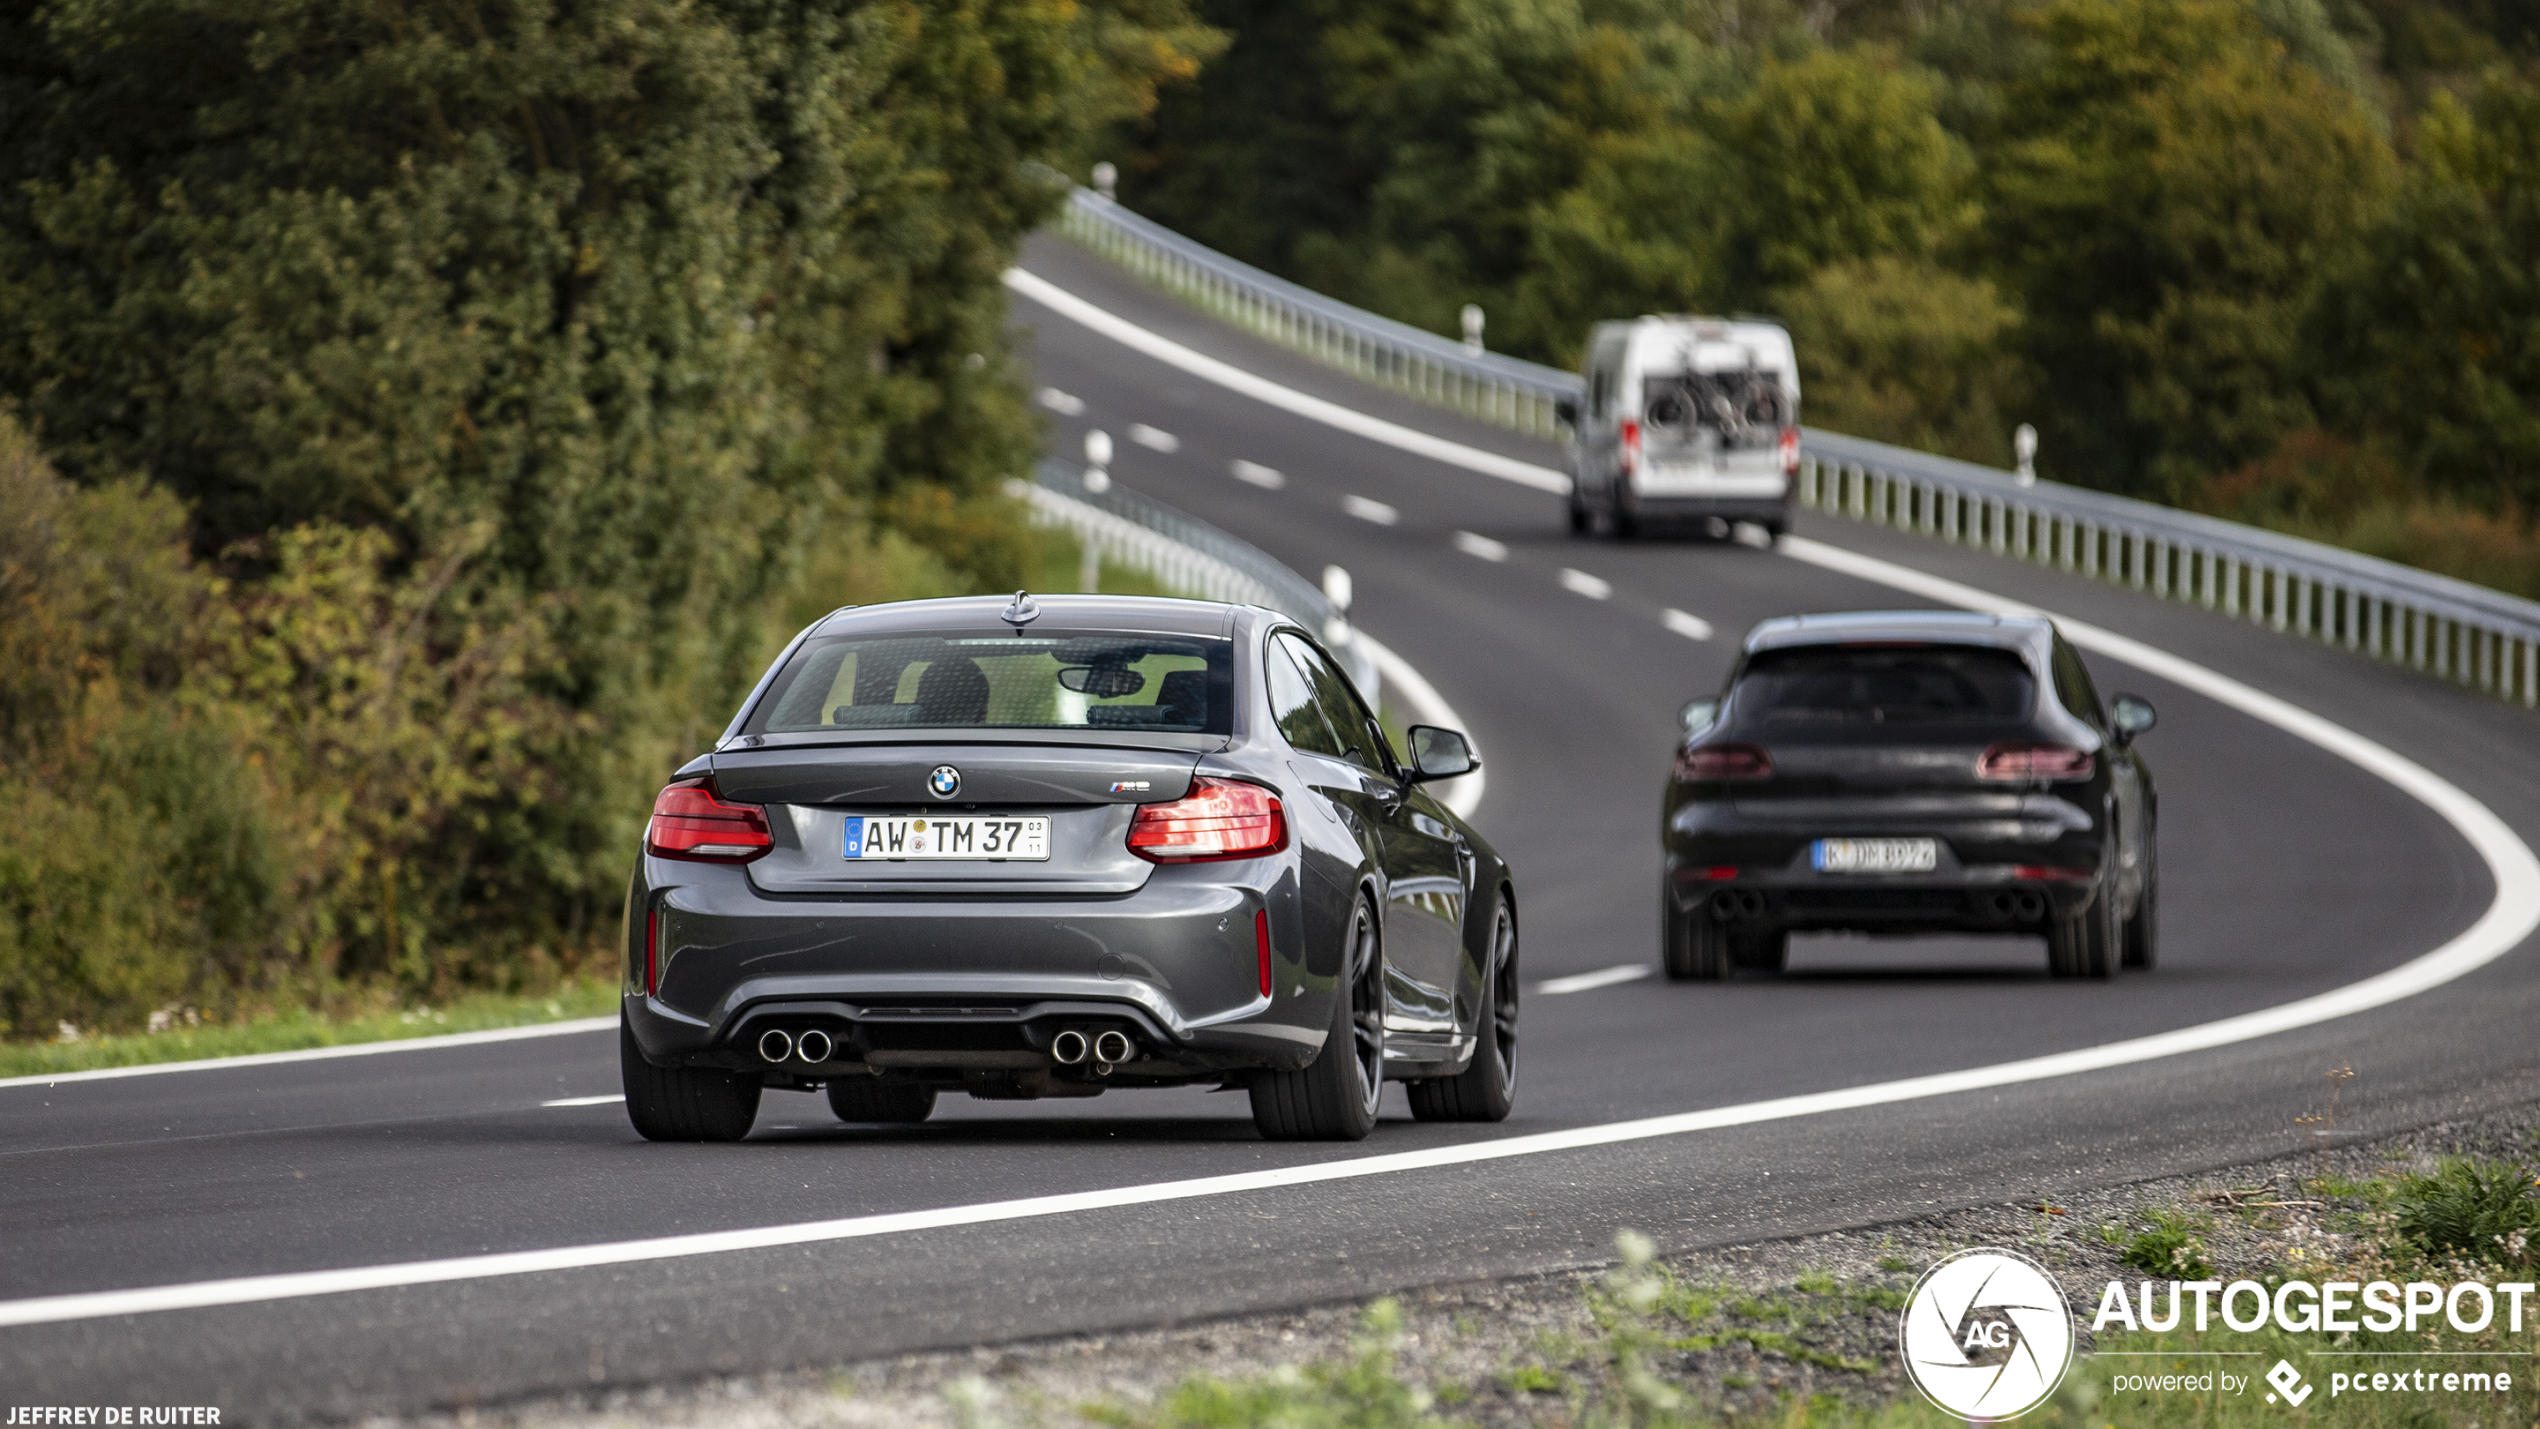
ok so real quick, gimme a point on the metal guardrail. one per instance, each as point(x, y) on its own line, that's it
point(1188, 555)
point(2473, 636)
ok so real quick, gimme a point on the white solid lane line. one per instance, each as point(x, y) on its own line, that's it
point(1482, 546)
point(2509, 919)
point(610, 1099)
point(1585, 584)
point(1691, 627)
point(1062, 403)
point(1267, 478)
point(1154, 438)
point(322, 1054)
point(1286, 399)
point(1589, 982)
point(1366, 510)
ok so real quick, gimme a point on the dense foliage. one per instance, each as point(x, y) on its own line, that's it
point(2205, 246)
point(450, 405)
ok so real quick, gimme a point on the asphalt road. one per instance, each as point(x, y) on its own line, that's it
point(2287, 871)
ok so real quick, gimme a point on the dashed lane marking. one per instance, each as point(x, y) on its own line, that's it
point(1585, 584)
point(586, 1101)
point(1589, 982)
point(1482, 546)
point(1691, 627)
point(1366, 510)
point(1154, 438)
point(1266, 477)
point(1065, 404)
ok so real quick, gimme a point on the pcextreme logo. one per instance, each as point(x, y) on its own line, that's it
point(1987, 1334)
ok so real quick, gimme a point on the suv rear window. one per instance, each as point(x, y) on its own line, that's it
point(1045, 680)
point(1882, 684)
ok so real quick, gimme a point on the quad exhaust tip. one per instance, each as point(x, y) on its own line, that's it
point(775, 1045)
point(814, 1046)
point(1069, 1048)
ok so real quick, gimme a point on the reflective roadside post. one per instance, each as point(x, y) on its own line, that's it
point(1336, 589)
point(1106, 179)
point(1097, 481)
point(2024, 450)
point(1473, 328)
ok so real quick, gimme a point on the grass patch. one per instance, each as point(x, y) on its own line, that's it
point(2474, 1210)
point(299, 1028)
point(2173, 1246)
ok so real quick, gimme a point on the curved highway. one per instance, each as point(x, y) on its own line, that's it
point(2289, 872)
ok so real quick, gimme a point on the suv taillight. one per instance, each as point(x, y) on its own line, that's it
point(1724, 761)
point(1219, 818)
point(2034, 761)
point(690, 822)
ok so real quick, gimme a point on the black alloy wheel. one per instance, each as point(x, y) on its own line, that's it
point(1487, 1089)
point(684, 1103)
point(871, 1100)
point(1692, 945)
point(1334, 1097)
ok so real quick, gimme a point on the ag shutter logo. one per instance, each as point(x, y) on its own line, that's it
point(1987, 1334)
point(944, 782)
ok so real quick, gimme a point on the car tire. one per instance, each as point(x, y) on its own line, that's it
point(2143, 930)
point(1763, 952)
point(1487, 1089)
point(1626, 519)
point(684, 1103)
point(873, 1101)
point(1581, 521)
point(2086, 943)
point(1693, 946)
point(1334, 1097)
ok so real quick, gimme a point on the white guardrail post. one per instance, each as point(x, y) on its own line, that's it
point(2470, 635)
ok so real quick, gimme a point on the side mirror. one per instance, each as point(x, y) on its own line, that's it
point(1698, 715)
point(1439, 754)
point(1567, 409)
point(2132, 715)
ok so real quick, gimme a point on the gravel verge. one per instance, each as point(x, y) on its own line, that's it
point(1771, 1321)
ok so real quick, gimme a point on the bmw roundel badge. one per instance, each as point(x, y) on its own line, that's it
point(944, 782)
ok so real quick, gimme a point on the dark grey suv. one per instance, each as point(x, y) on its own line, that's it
point(1056, 847)
point(1905, 772)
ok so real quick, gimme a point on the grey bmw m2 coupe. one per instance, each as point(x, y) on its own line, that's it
point(1058, 847)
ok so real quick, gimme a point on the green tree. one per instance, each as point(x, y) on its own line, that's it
point(1901, 350)
point(2162, 195)
point(2432, 340)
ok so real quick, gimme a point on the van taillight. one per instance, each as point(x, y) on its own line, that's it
point(690, 822)
point(1631, 445)
point(1219, 818)
point(1790, 451)
point(2034, 761)
point(1724, 761)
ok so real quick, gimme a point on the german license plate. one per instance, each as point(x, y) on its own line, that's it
point(1875, 855)
point(962, 836)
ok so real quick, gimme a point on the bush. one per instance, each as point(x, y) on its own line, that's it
point(2476, 1210)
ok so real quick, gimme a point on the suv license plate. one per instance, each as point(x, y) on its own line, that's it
point(1023, 840)
point(1875, 855)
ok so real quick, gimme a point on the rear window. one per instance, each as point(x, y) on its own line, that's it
point(1884, 684)
point(1044, 680)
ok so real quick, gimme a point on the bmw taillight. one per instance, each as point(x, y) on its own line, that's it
point(1790, 451)
point(1219, 818)
point(1724, 761)
point(690, 822)
point(2034, 761)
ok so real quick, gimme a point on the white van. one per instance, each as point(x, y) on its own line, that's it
point(1685, 419)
